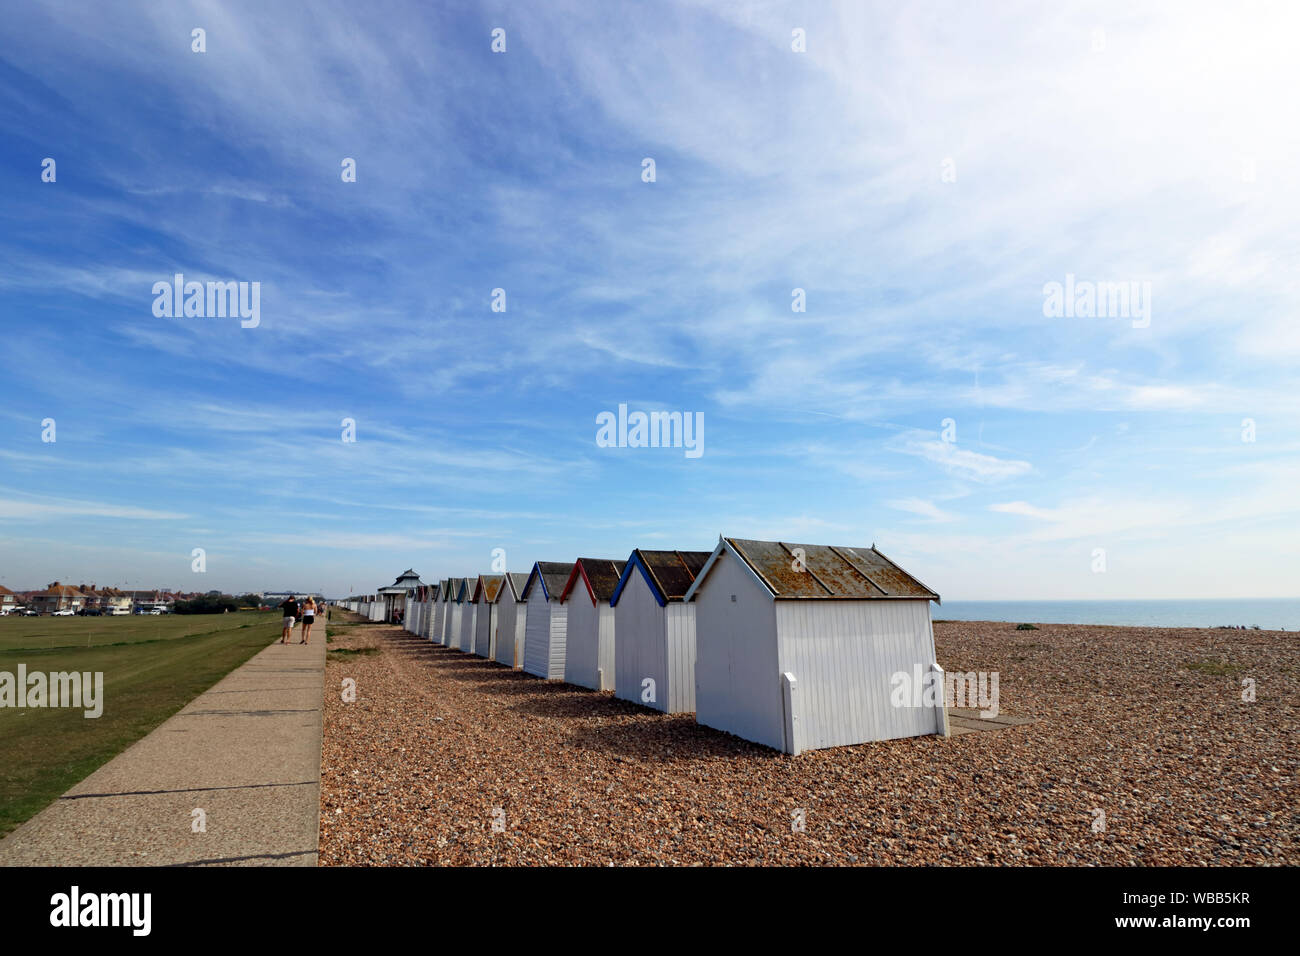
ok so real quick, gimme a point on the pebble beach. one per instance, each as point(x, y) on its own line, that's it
point(1142, 752)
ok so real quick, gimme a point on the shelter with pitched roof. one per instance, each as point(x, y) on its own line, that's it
point(589, 658)
point(512, 620)
point(802, 646)
point(548, 618)
point(654, 655)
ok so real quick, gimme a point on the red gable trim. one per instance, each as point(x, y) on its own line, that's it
point(573, 577)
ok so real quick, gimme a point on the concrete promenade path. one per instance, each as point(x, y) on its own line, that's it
point(246, 752)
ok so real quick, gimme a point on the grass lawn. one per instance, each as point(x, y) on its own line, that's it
point(152, 666)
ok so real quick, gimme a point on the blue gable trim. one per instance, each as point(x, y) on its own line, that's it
point(635, 561)
point(541, 579)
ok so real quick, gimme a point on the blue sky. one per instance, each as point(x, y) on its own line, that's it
point(921, 171)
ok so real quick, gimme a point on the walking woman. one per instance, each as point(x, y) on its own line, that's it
point(308, 618)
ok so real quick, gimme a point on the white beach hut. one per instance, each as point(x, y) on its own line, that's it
point(411, 616)
point(465, 637)
point(545, 628)
point(512, 618)
point(439, 612)
point(654, 656)
point(455, 610)
point(426, 614)
point(450, 621)
point(589, 657)
point(485, 611)
point(803, 646)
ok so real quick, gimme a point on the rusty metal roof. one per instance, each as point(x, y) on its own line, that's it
point(670, 574)
point(600, 575)
point(488, 585)
point(792, 571)
point(553, 575)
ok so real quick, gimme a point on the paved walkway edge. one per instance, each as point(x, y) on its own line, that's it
point(233, 778)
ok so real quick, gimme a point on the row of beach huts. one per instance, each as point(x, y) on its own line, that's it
point(794, 646)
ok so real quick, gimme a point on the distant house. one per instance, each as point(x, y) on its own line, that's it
point(547, 620)
point(58, 597)
point(144, 601)
point(803, 646)
point(512, 618)
point(115, 601)
point(589, 653)
point(92, 598)
point(654, 657)
point(9, 601)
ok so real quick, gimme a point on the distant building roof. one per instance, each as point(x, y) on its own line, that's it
point(408, 580)
point(820, 571)
point(60, 590)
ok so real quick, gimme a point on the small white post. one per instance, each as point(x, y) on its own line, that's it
point(942, 704)
point(790, 700)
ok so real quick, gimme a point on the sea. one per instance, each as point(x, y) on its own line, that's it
point(1270, 614)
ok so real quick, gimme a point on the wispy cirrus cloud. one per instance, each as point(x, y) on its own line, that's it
point(33, 508)
point(776, 170)
point(958, 461)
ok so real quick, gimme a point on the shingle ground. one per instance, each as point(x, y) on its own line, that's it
point(1147, 725)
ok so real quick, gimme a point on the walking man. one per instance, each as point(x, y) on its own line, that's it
point(290, 616)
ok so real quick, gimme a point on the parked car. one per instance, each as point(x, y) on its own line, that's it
point(31, 612)
point(157, 610)
point(90, 612)
point(65, 612)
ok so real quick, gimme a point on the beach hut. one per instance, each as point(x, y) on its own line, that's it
point(465, 636)
point(485, 612)
point(415, 611)
point(448, 603)
point(654, 657)
point(436, 607)
point(589, 657)
point(545, 627)
point(422, 611)
point(512, 617)
point(451, 631)
point(806, 646)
